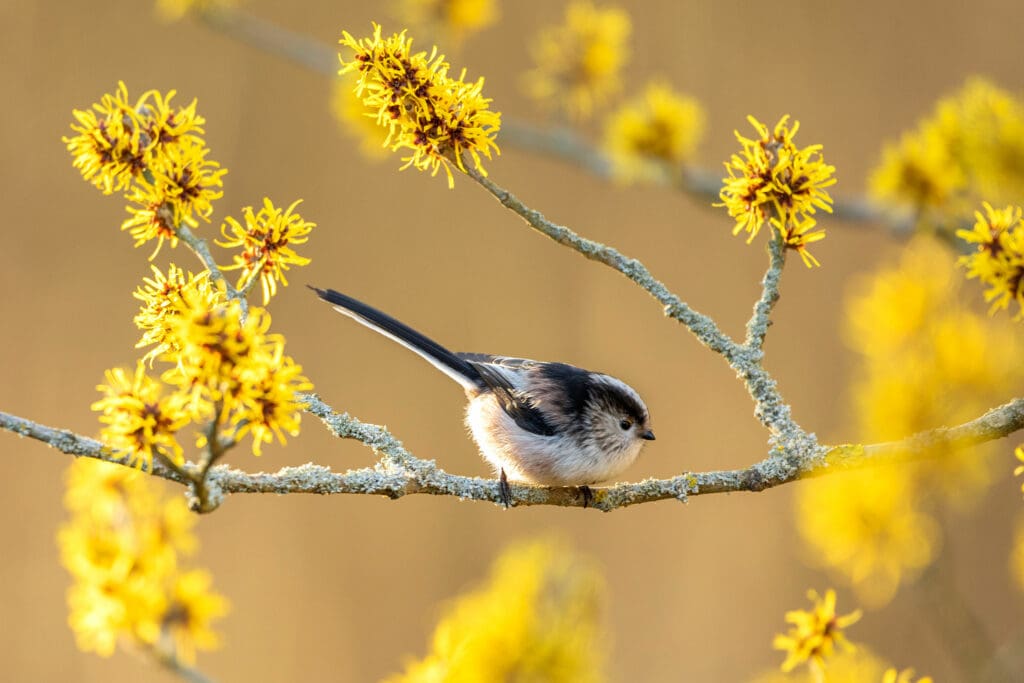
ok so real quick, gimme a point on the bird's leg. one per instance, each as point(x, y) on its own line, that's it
point(504, 490)
point(588, 495)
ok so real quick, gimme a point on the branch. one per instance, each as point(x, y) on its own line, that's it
point(202, 250)
point(782, 466)
point(770, 409)
point(759, 322)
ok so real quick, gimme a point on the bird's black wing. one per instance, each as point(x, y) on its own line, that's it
point(515, 403)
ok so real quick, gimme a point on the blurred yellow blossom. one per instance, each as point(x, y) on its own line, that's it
point(139, 418)
point(355, 121)
point(536, 619)
point(904, 676)
point(773, 181)
point(655, 134)
point(122, 545)
point(814, 634)
point(578, 64)
point(266, 242)
point(449, 19)
point(967, 149)
point(868, 528)
point(998, 261)
point(437, 118)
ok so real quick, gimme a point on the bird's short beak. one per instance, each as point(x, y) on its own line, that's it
point(648, 435)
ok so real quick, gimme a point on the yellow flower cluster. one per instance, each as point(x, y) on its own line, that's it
point(153, 152)
point(451, 19)
point(998, 261)
point(578, 64)
point(349, 111)
point(815, 634)
point(651, 137)
point(773, 181)
point(967, 149)
point(265, 241)
point(926, 360)
point(123, 545)
point(536, 619)
point(437, 118)
point(228, 374)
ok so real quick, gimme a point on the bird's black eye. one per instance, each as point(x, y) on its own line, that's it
point(625, 424)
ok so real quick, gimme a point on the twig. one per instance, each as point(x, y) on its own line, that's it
point(759, 322)
point(781, 467)
point(202, 250)
point(269, 37)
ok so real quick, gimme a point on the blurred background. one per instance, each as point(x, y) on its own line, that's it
point(347, 588)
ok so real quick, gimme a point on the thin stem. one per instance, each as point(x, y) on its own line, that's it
point(202, 250)
point(263, 35)
point(416, 476)
point(759, 322)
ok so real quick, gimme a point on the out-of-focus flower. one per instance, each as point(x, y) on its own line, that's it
point(578, 64)
point(858, 666)
point(773, 181)
point(437, 118)
point(815, 634)
point(968, 149)
point(536, 619)
point(905, 676)
point(998, 261)
point(122, 545)
point(140, 419)
point(654, 135)
point(354, 119)
point(449, 19)
point(868, 528)
point(266, 242)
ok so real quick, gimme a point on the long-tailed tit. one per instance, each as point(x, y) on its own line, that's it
point(541, 423)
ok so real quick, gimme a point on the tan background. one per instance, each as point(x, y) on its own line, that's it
point(345, 588)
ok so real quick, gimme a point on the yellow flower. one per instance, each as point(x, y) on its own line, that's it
point(968, 149)
point(904, 676)
point(654, 134)
point(929, 360)
point(536, 619)
point(186, 181)
point(1019, 469)
point(773, 181)
point(919, 171)
point(266, 241)
point(438, 119)
point(453, 19)
point(121, 545)
point(236, 374)
point(139, 419)
point(165, 298)
point(999, 260)
point(108, 149)
point(815, 634)
point(578, 64)
point(867, 526)
point(192, 608)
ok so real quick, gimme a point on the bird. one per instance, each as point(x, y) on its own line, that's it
point(535, 422)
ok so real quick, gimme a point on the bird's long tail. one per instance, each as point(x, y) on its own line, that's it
point(444, 360)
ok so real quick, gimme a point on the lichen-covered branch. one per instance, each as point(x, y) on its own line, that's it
point(202, 250)
point(770, 409)
point(416, 476)
point(759, 322)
